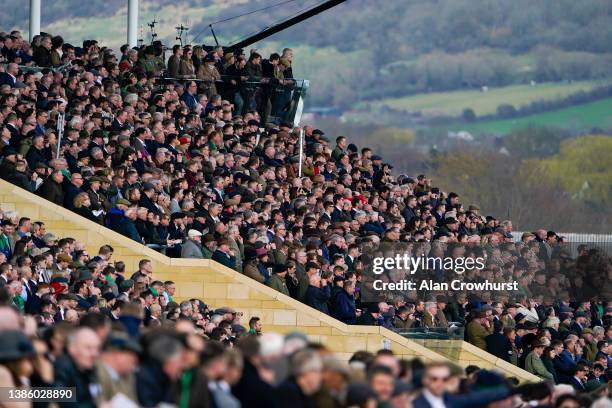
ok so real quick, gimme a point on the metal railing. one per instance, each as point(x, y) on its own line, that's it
point(573, 240)
point(455, 331)
point(276, 102)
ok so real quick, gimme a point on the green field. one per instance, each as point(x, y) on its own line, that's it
point(485, 103)
point(592, 114)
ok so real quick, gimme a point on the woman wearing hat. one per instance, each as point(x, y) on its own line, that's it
point(209, 74)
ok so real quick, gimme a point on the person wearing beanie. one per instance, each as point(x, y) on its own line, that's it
point(277, 280)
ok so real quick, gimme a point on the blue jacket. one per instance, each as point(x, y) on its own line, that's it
point(114, 218)
point(565, 364)
point(318, 297)
point(224, 259)
point(376, 227)
point(6, 79)
point(128, 229)
point(343, 307)
point(189, 100)
point(87, 302)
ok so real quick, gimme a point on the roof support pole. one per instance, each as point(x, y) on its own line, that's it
point(34, 18)
point(132, 32)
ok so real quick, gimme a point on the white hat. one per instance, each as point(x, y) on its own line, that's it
point(39, 251)
point(194, 233)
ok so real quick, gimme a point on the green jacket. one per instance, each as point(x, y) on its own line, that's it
point(303, 282)
point(278, 283)
point(238, 249)
point(477, 334)
point(534, 365)
point(206, 253)
point(590, 350)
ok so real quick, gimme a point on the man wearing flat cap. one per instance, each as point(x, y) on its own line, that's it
point(192, 247)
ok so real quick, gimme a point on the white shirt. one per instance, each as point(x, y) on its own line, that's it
point(435, 402)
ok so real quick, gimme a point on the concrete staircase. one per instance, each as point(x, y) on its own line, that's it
point(220, 286)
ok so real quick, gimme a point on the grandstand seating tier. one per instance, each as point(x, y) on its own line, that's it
point(220, 286)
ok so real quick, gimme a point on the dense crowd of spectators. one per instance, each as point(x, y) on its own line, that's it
point(118, 338)
point(194, 167)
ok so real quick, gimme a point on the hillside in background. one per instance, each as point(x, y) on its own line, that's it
point(378, 49)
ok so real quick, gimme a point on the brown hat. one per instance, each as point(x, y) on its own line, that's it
point(64, 258)
point(123, 201)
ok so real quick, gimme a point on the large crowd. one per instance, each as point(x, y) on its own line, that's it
point(193, 156)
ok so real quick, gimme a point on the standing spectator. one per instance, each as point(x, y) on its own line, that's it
point(478, 329)
point(343, 304)
point(277, 280)
point(174, 62)
point(499, 343)
point(42, 54)
point(186, 69)
point(209, 74)
point(318, 293)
